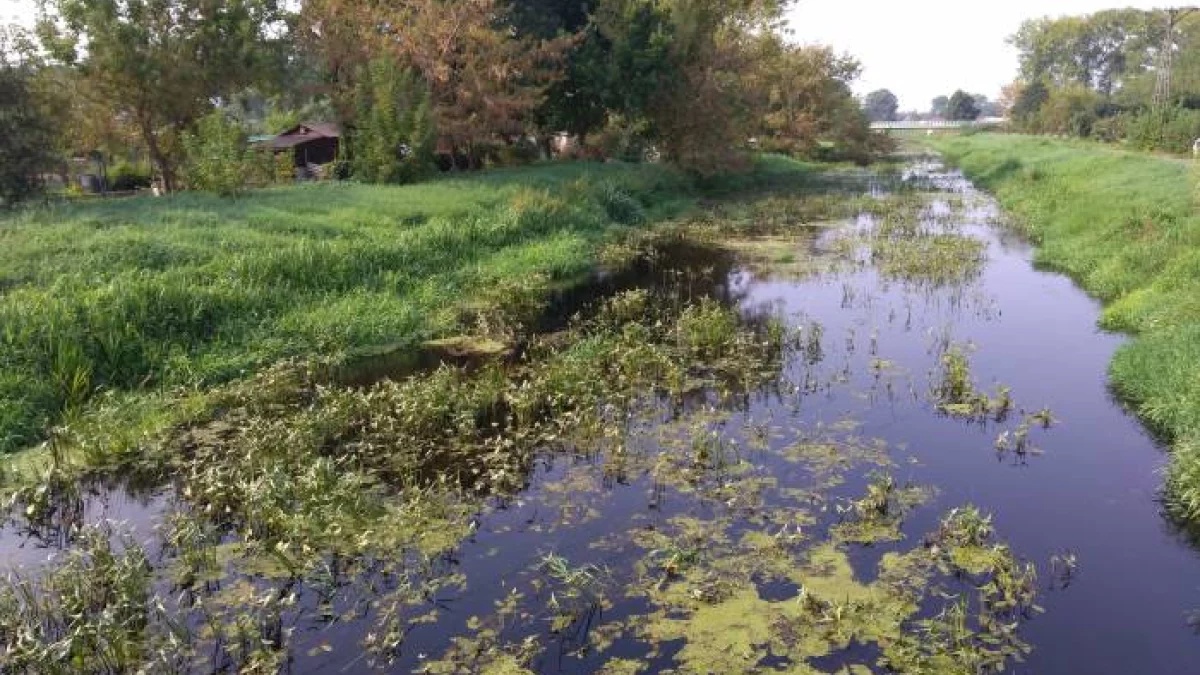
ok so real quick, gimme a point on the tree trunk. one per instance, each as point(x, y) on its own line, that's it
point(157, 157)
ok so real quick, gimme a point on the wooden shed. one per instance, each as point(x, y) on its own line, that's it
point(309, 143)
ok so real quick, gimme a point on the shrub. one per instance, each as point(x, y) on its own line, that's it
point(125, 176)
point(623, 139)
point(392, 139)
point(218, 159)
point(620, 206)
point(1172, 130)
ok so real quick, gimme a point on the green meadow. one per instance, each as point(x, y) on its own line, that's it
point(112, 303)
point(188, 291)
point(1126, 227)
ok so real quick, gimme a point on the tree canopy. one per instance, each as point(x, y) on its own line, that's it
point(962, 106)
point(881, 105)
point(1099, 75)
point(695, 82)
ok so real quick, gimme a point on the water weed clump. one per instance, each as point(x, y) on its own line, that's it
point(956, 394)
point(726, 623)
point(90, 612)
point(299, 476)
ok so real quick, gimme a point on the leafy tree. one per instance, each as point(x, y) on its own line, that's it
point(1096, 51)
point(809, 100)
point(705, 113)
point(579, 100)
point(1069, 110)
point(161, 63)
point(392, 141)
point(881, 105)
point(1029, 101)
point(939, 105)
point(961, 106)
point(26, 138)
point(218, 159)
point(485, 81)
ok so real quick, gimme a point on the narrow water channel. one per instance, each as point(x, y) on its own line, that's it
point(688, 544)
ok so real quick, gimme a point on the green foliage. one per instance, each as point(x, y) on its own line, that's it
point(123, 176)
point(961, 106)
point(160, 63)
point(91, 608)
point(1169, 129)
point(119, 296)
point(218, 159)
point(939, 105)
point(25, 137)
point(1126, 227)
point(392, 140)
point(881, 105)
point(1095, 76)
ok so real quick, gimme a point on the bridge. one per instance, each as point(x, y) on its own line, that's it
point(938, 124)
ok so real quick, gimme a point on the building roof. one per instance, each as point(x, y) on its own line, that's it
point(305, 132)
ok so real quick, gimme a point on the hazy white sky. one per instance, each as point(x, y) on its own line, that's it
point(922, 48)
point(917, 48)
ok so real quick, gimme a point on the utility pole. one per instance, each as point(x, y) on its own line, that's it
point(1166, 57)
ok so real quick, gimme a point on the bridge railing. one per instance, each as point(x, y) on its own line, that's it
point(937, 124)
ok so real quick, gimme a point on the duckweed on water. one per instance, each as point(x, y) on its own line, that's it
point(727, 626)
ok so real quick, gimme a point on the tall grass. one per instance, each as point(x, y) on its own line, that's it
point(1127, 228)
point(192, 290)
point(184, 292)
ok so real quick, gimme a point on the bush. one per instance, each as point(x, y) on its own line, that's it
point(218, 159)
point(1172, 130)
point(124, 176)
point(1110, 129)
point(392, 139)
point(521, 152)
point(620, 206)
point(626, 140)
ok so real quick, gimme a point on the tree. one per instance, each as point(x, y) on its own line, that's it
point(161, 63)
point(218, 159)
point(485, 81)
point(1096, 51)
point(704, 114)
point(809, 101)
point(938, 106)
point(1029, 101)
point(25, 136)
point(961, 106)
point(392, 141)
point(881, 105)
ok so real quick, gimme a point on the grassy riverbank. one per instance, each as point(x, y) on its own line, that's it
point(107, 306)
point(1127, 228)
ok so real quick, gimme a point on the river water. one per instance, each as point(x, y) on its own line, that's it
point(1118, 585)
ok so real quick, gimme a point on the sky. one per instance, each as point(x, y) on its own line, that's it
point(918, 49)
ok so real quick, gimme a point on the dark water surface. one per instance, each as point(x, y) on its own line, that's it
point(1089, 492)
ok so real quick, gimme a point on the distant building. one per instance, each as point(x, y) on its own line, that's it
point(311, 143)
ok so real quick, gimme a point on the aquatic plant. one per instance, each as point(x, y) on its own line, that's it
point(88, 614)
point(955, 392)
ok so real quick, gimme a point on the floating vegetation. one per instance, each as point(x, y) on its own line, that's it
point(664, 480)
point(878, 515)
point(956, 393)
point(727, 626)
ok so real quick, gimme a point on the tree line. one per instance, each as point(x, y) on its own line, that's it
point(882, 105)
point(178, 85)
point(1106, 76)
